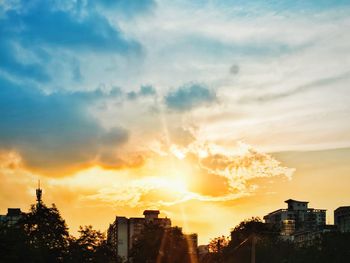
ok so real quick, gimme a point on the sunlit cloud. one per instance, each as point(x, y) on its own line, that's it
point(165, 180)
point(169, 179)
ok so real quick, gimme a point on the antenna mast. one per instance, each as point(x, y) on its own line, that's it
point(39, 193)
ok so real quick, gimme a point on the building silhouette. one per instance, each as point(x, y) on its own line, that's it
point(124, 232)
point(299, 223)
point(12, 217)
point(296, 218)
point(342, 218)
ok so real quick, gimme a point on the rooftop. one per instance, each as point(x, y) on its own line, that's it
point(295, 201)
point(148, 212)
point(14, 212)
point(342, 208)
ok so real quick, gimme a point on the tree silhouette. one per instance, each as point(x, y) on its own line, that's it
point(217, 244)
point(157, 244)
point(217, 247)
point(13, 245)
point(41, 236)
point(271, 248)
point(175, 247)
point(46, 233)
point(90, 246)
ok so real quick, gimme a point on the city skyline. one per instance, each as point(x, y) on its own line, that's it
point(204, 110)
point(17, 213)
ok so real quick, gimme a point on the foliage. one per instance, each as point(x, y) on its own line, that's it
point(46, 233)
point(157, 244)
point(217, 244)
point(42, 236)
point(271, 248)
point(91, 246)
point(13, 245)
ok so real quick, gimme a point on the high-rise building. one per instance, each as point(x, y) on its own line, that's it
point(342, 218)
point(124, 232)
point(297, 217)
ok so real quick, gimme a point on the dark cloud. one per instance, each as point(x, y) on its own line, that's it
point(189, 96)
point(234, 69)
point(145, 91)
point(53, 131)
point(132, 95)
point(113, 137)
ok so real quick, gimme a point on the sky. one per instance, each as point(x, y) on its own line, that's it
point(210, 111)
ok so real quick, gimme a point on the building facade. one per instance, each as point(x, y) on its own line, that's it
point(310, 237)
point(12, 217)
point(124, 232)
point(298, 217)
point(342, 218)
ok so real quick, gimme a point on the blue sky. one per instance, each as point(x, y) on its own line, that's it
point(120, 84)
point(183, 50)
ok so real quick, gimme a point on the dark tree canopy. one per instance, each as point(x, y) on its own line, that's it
point(90, 246)
point(157, 244)
point(270, 248)
point(42, 236)
point(217, 244)
point(46, 232)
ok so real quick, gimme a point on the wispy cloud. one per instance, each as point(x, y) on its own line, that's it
point(317, 84)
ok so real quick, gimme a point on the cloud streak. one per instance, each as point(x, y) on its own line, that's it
point(320, 83)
